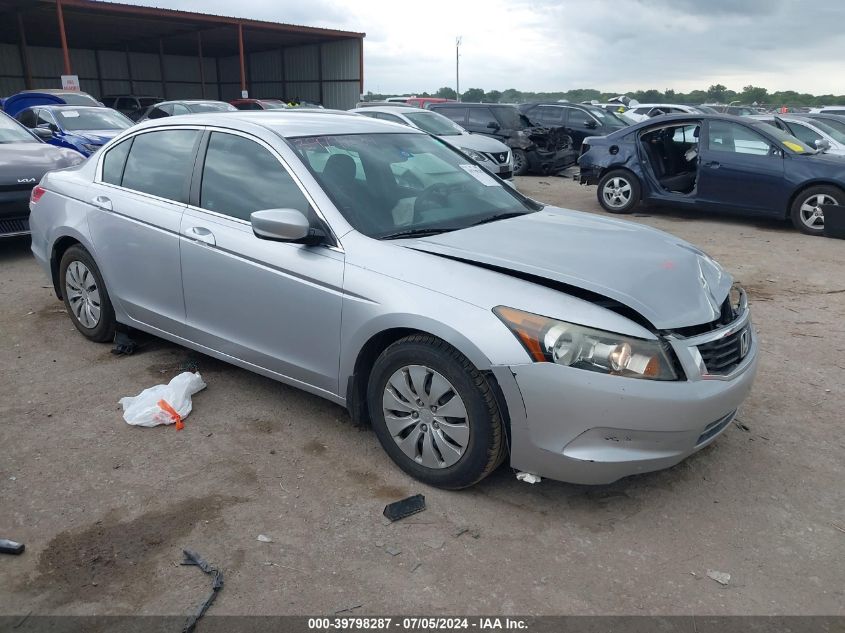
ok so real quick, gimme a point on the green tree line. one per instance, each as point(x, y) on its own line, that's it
point(714, 94)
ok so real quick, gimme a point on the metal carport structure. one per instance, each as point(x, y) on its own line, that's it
point(125, 49)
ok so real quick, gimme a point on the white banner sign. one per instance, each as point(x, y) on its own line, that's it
point(70, 82)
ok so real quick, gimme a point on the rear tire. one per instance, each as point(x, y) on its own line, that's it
point(805, 213)
point(85, 295)
point(619, 191)
point(454, 448)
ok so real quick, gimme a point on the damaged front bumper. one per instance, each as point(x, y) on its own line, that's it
point(589, 428)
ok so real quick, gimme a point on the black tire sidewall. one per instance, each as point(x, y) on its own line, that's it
point(474, 464)
point(524, 159)
point(795, 211)
point(636, 190)
point(105, 329)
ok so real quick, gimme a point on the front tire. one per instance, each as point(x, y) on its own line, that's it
point(85, 295)
point(806, 213)
point(520, 162)
point(434, 413)
point(619, 191)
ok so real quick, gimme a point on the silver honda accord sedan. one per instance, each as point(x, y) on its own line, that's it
point(382, 269)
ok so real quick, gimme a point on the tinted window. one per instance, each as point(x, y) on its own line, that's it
point(548, 115)
point(160, 163)
point(458, 115)
point(78, 98)
point(578, 118)
point(240, 176)
point(178, 108)
point(110, 101)
point(804, 133)
point(114, 162)
point(247, 105)
point(28, 118)
point(160, 112)
point(481, 118)
point(725, 136)
point(390, 117)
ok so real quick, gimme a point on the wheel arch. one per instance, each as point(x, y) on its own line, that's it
point(60, 247)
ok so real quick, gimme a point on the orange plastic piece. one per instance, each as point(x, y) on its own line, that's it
point(164, 405)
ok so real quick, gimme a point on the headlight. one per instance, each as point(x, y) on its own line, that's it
point(476, 156)
point(90, 147)
point(553, 341)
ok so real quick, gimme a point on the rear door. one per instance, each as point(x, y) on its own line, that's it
point(138, 199)
point(739, 170)
point(275, 305)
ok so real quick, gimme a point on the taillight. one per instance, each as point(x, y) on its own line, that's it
point(36, 194)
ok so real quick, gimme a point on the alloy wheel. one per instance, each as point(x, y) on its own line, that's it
point(811, 210)
point(83, 294)
point(617, 192)
point(425, 416)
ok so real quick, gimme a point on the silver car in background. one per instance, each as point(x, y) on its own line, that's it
point(379, 268)
point(491, 154)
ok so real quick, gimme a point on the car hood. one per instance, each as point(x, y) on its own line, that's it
point(95, 137)
point(476, 142)
point(21, 163)
point(669, 282)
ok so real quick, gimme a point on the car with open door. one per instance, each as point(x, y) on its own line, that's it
point(716, 163)
point(373, 265)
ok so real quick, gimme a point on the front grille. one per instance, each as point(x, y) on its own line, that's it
point(13, 226)
point(714, 428)
point(723, 355)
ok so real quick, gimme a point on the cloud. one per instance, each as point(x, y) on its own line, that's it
point(563, 44)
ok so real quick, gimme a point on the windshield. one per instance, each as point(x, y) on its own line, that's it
point(510, 118)
point(434, 123)
point(13, 132)
point(389, 185)
point(834, 133)
point(146, 102)
point(210, 106)
point(834, 123)
point(787, 140)
point(78, 98)
point(91, 119)
point(610, 119)
point(274, 105)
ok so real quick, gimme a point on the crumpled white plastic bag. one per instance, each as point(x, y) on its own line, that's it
point(150, 407)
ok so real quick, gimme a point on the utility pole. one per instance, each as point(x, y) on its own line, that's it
point(458, 67)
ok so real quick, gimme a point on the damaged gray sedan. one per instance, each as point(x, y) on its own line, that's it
point(387, 272)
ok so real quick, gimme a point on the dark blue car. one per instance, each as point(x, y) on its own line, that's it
point(83, 128)
point(714, 162)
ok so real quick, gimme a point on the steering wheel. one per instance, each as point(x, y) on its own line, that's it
point(432, 197)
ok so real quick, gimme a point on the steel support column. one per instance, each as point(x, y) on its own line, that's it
point(24, 51)
point(161, 67)
point(63, 36)
point(202, 63)
point(241, 55)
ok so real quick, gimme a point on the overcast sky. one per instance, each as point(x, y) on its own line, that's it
point(562, 44)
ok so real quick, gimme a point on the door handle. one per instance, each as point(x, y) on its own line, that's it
point(713, 164)
point(201, 234)
point(102, 202)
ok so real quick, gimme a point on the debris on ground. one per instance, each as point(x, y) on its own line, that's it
point(264, 539)
point(719, 576)
point(347, 609)
point(459, 531)
point(124, 345)
point(404, 508)
point(192, 558)
point(11, 547)
point(741, 426)
point(393, 551)
point(416, 567)
point(529, 478)
point(163, 404)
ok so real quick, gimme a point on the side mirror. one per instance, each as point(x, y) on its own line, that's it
point(285, 225)
point(590, 124)
point(822, 144)
point(44, 133)
point(493, 125)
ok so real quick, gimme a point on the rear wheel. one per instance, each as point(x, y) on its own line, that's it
point(434, 413)
point(806, 212)
point(520, 162)
point(85, 295)
point(619, 191)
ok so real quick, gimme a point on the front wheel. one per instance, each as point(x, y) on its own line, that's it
point(806, 212)
point(619, 191)
point(434, 413)
point(520, 162)
point(85, 295)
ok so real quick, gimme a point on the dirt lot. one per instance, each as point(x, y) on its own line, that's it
point(105, 509)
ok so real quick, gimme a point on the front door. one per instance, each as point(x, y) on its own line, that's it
point(740, 170)
point(275, 305)
point(138, 204)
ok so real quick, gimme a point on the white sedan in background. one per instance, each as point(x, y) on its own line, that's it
point(645, 111)
point(493, 155)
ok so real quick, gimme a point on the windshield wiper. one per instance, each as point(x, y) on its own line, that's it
point(500, 216)
point(415, 233)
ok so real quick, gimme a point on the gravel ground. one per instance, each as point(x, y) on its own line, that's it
point(105, 509)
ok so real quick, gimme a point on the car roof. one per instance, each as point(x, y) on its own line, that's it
point(193, 101)
point(287, 123)
point(392, 110)
point(692, 116)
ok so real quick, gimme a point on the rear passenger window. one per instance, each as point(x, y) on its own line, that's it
point(240, 176)
point(160, 163)
point(114, 162)
point(458, 115)
point(480, 117)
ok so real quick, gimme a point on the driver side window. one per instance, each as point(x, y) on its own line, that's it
point(725, 136)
